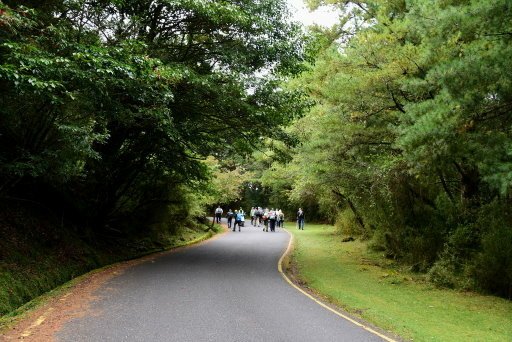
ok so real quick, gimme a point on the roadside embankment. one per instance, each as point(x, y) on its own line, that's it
point(38, 255)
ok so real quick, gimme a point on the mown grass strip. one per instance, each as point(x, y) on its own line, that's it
point(353, 278)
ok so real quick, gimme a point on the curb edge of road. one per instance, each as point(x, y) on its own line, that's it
point(33, 313)
point(325, 306)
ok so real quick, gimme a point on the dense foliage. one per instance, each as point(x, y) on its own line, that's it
point(410, 140)
point(108, 110)
point(109, 106)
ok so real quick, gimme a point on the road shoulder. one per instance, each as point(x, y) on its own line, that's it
point(41, 318)
point(288, 269)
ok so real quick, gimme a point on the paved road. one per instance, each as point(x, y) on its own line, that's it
point(228, 289)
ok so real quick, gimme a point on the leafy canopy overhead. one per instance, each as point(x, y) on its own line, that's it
point(110, 99)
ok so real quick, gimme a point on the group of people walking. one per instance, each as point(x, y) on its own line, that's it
point(234, 218)
point(266, 218)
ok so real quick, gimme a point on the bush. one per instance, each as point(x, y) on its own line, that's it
point(346, 224)
point(442, 274)
point(478, 253)
point(378, 241)
point(493, 266)
point(450, 271)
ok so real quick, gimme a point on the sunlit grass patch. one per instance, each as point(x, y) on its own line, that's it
point(373, 288)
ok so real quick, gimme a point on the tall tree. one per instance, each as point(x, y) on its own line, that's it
point(411, 132)
point(111, 104)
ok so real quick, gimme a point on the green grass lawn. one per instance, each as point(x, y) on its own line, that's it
point(368, 286)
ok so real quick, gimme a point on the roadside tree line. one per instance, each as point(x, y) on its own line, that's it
point(409, 142)
point(107, 108)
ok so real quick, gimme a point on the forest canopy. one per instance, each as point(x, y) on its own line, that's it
point(394, 124)
point(409, 143)
point(109, 107)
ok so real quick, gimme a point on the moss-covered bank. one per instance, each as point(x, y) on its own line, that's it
point(39, 253)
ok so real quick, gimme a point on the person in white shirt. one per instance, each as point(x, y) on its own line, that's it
point(253, 216)
point(280, 219)
point(218, 214)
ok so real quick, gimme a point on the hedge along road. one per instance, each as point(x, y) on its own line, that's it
point(227, 289)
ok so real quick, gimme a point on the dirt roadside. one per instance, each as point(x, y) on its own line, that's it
point(41, 324)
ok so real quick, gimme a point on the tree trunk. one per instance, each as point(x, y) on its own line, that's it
point(352, 207)
point(470, 182)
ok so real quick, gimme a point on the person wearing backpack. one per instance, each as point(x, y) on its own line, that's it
point(259, 216)
point(265, 220)
point(272, 220)
point(239, 220)
point(280, 219)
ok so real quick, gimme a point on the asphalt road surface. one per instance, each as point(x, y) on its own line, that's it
point(228, 289)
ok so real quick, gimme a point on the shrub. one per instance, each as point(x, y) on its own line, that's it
point(493, 266)
point(346, 224)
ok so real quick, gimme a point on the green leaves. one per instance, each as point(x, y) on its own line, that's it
point(466, 79)
point(115, 103)
point(411, 127)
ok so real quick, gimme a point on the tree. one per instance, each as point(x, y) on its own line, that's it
point(410, 132)
point(116, 103)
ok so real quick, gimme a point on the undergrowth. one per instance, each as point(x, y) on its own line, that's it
point(37, 254)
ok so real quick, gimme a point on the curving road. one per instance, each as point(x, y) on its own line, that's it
point(228, 289)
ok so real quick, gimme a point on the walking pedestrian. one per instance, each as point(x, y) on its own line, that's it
point(253, 215)
point(280, 219)
point(259, 216)
point(230, 216)
point(265, 220)
point(272, 219)
point(300, 219)
point(235, 214)
point(218, 214)
point(239, 220)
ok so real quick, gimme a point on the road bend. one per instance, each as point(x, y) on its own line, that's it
point(227, 289)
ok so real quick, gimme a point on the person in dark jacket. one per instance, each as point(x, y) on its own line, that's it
point(300, 219)
point(230, 214)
